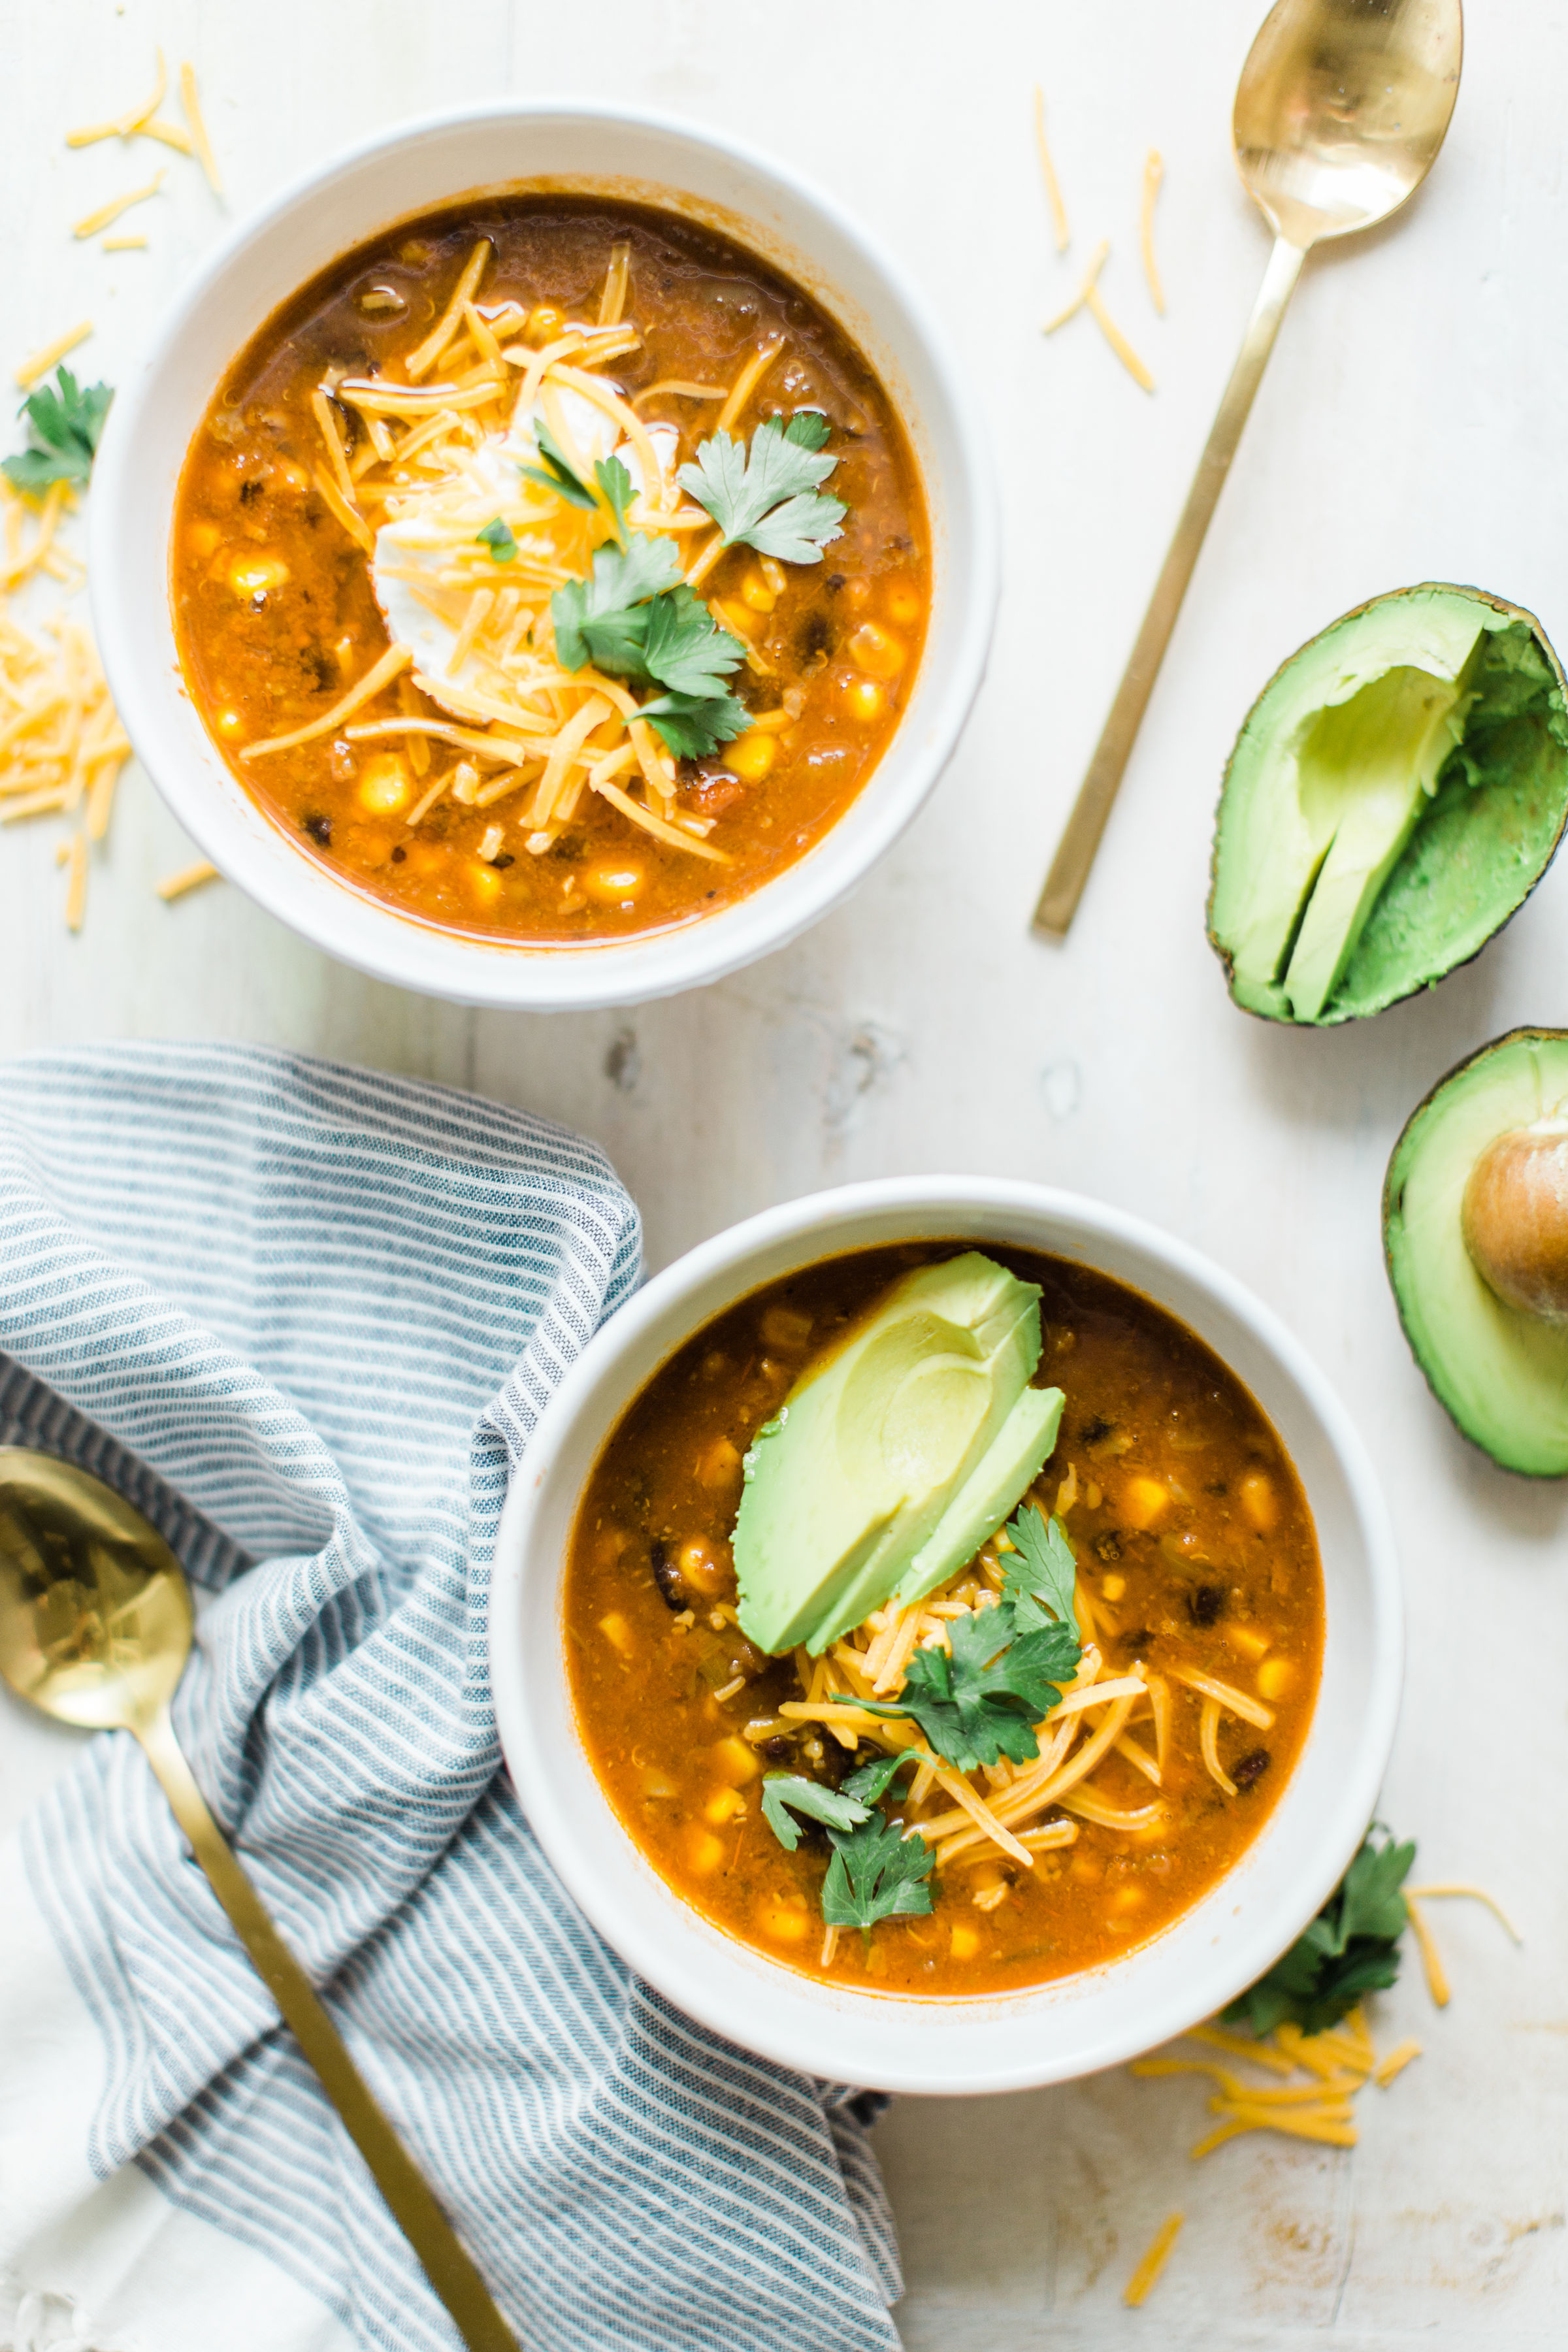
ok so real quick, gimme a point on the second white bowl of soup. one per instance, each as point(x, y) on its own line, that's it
point(1043, 1889)
point(474, 445)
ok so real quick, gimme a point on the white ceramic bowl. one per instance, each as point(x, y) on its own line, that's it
point(1049, 2033)
point(589, 147)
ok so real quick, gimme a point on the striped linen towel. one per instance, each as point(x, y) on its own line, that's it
point(326, 1307)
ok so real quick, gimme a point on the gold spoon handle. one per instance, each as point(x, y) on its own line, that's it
point(407, 2193)
point(1080, 837)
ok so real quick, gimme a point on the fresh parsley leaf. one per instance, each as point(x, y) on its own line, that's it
point(694, 725)
point(871, 1782)
point(616, 484)
point(876, 1872)
point(769, 497)
point(685, 649)
point(1040, 1567)
point(810, 427)
point(1352, 1948)
point(1370, 1902)
point(635, 617)
point(556, 473)
point(497, 536)
point(982, 1701)
point(810, 1798)
point(600, 619)
point(65, 422)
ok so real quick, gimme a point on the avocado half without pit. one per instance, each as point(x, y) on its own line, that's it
point(1395, 794)
point(1475, 1226)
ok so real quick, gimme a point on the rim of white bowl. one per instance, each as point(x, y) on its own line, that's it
point(471, 970)
point(673, 1964)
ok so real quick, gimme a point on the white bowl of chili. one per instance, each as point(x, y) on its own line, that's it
point(362, 876)
point(578, 1770)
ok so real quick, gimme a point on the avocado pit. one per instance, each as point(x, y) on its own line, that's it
point(1514, 1218)
point(1475, 1224)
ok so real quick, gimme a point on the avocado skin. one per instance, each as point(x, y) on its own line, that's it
point(1474, 858)
point(1517, 1411)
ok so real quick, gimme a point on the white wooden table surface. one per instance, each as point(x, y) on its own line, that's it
point(1411, 428)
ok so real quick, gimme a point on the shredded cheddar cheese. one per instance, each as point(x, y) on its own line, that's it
point(189, 877)
point(202, 145)
point(1469, 1894)
point(1153, 172)
point(1048, 173)
point(1117, 341)
point(1398, 2058)
point(1097, 263)
point(41, 363)
point(1336, 2064)
point(1153, 2261)
point(1432, 1966)
point(91, 222)
point(61, 744)
point(125, 126)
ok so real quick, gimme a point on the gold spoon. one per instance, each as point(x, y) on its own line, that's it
point(95, 1629)
point(1339, 112)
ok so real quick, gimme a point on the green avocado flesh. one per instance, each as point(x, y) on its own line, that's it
point(895, 1456)
point(1398, 790)
point(1502, 1375)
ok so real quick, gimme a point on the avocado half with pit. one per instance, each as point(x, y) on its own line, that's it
point(1475, 1228)
point(1397, 792)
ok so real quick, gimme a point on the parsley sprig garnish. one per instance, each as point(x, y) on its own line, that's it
point(497, 536)
point(636, 618)
point(876, 1873)
point(555, 471)
point(785, 1794)
point(875, 1870)
point(838, 1809)
point(64, 424)
point(1351, 1948)
point(1040, 1568)
point(981, 1700)
point(767, 498)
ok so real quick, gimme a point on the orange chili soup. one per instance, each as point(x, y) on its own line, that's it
point(475, 417)
point(1197, 1580)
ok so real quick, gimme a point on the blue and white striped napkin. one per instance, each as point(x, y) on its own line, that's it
point(325, 1308)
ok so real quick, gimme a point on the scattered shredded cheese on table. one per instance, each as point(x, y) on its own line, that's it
point(1153, 2261)
point(189, 877)
point(1048, 173)
point(62, 747)
point(40, 363)
point(61, 744)
point(1095, 302)
point(1153, 172)
point(144, 121)
point(1318, 2076)
point(1097, 263)
point(91, 222)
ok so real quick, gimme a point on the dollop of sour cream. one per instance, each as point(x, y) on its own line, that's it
point(409, 543)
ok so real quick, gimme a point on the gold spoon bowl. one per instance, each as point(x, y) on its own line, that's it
point(95, 1629)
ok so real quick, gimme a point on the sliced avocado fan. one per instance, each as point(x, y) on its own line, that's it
point(1501, 1372)
point(896, 1455)
point(1396, 791)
